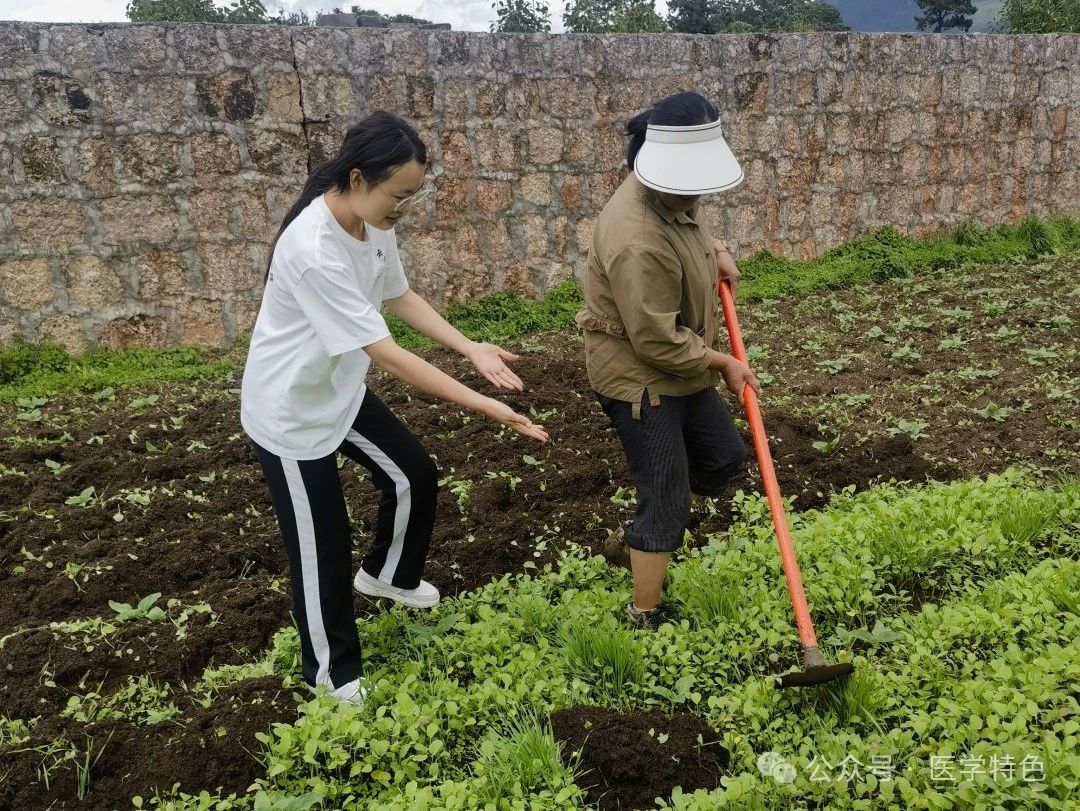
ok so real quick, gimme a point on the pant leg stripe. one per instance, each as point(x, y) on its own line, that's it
point(309, 568)
point(404, 500)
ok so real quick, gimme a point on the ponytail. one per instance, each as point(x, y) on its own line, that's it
point(636, 128)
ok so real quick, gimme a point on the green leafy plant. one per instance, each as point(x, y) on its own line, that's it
point(708, 595)
point(826, 447)
point(1005, 335)
point(87, 498)
point(144, 609)
point(975, 373)
point(905, 354)
point(915, 429)
point(952, 342)
point(56, 467)
point(994, 412)
point(835, 366)
point(1041, 356)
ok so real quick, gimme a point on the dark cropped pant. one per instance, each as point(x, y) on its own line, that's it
point(683, 445)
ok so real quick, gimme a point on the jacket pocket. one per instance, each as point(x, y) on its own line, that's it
point(594, 322)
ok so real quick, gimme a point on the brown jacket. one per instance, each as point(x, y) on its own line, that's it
point(650, 300)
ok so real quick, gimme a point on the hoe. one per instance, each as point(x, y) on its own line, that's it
point(815, 670)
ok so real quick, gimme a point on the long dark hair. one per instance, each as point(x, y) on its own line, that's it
point(375, 145)
point(680, 110)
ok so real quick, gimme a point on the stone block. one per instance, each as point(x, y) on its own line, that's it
point(209, 213)
point(283, 103)
point(213, 153)
point(26, 284)
point(161, 276)
point(228, 268)
point(136, 47)
point(134, 331)
point(535, 187)
point(569, 98)
point(456, 154)
point(91, 283)
point(495, 240)
point(570, 193)
point(12, 108)
point(245, 312)
point(150, 159)
point(490, 99)
point(336, 20)
point(536, 236)
point(278, 153)
point(491, 196)
point(117, 98)
point(164, 102)
point(42, 161)
point(269, 44)
point(77, 48)
point(201, 323)
point(326, 97)
point(197, 48)
point(518, 281)
point(138, 218)
point(420, 97)
point(545, 146)
point(95, 165)
point(48, 222)
point(451, 199)
point(324, 141)
point(230, 95)
point(61, 100)
point(251, 206)
point(455, 103)
point(497, 149)
point(65, 330)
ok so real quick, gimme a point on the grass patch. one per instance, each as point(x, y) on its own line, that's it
point(29, 370)
point(889, 254)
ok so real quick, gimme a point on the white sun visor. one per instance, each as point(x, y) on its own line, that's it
point(687, 161)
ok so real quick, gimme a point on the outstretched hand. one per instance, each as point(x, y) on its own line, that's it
point(490, 361)
point(501, 412)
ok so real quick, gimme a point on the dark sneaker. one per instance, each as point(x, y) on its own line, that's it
point(653, 618)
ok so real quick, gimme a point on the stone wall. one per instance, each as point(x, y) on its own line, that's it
point(145, 168)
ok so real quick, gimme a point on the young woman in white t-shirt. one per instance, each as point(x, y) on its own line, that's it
point(303, 400)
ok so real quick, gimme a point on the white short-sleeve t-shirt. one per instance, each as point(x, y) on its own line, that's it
point(304, 378)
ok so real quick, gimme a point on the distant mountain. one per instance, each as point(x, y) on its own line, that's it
point(899, 15)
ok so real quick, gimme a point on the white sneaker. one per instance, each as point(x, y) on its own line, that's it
point(423, 596)
point(350, 693)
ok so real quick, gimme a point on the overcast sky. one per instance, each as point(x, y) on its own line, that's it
point(464, 15)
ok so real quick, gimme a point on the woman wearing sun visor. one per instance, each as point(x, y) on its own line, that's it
point(651, 331)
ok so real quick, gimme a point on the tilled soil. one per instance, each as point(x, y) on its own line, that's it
point(625, 760)
point(179, 508)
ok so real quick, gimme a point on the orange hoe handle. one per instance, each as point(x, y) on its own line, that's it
point(768, 477)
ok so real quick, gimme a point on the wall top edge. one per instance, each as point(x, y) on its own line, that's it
point(398, 32)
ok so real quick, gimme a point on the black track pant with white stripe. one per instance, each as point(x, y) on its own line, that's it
point(310, 508)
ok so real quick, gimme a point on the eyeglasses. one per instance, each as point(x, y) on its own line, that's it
point(413, 199)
